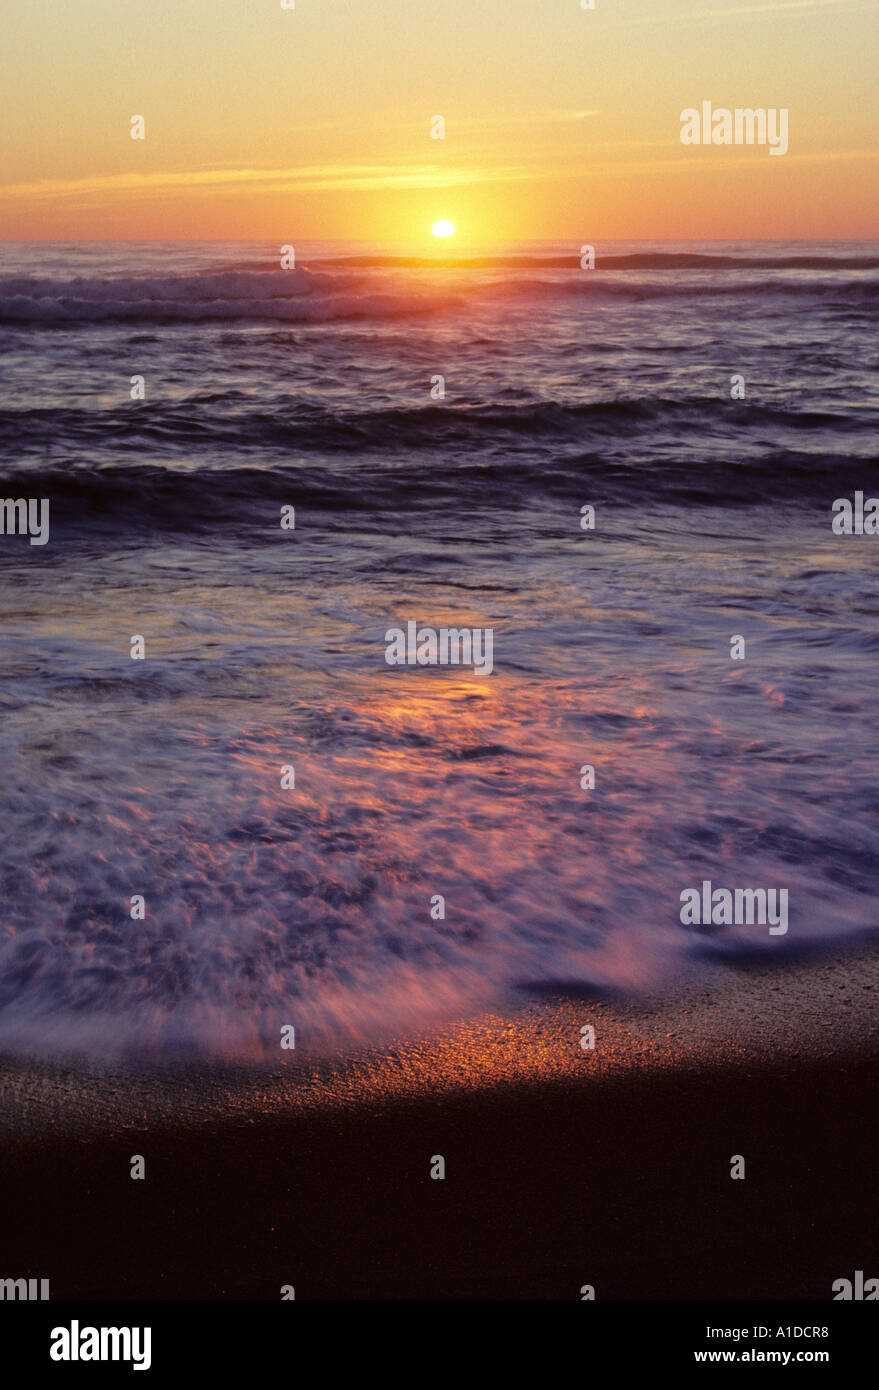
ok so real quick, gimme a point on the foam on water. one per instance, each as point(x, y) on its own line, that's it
point(311, 907)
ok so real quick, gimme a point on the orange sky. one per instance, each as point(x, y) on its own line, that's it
point(560, 122)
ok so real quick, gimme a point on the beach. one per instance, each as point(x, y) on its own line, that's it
point(293, 921)
point(439, 823)
point(564, 1167)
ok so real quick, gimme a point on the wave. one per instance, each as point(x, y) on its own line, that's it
point(213, 421)
point(641, 260)
point(291, 296)
point(160, 499)
point(316, 296)
point(236, 418)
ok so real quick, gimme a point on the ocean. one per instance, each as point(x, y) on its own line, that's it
point(316, 905)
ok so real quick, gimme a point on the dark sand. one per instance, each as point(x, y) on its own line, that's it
point(564, 1167)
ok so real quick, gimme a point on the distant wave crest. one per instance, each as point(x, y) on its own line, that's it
point(352, 289)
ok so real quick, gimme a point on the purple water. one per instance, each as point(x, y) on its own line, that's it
point(265, 648)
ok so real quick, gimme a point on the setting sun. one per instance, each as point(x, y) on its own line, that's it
point(443, 228)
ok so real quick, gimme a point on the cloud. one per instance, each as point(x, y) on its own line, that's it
point(686, 163)
point(529, 118)
point(334, 176)
point(772, 7)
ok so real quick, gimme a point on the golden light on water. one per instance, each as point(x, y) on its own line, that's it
point(443, 228)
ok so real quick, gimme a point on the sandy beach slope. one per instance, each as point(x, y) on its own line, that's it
point(564, 1166)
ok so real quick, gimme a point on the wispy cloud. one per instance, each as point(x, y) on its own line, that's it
point(771, 7)
point(530, 118)
point(686, 163)
point(341, 177)
point(106, 189)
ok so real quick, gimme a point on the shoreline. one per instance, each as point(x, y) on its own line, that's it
point(733, 1014)
point(556, 1177)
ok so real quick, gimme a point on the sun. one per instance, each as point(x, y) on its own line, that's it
point(443, 228)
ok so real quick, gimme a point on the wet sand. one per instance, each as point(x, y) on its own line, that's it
point(564, 1167)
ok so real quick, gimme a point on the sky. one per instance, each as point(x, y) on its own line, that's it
point(312, 123)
